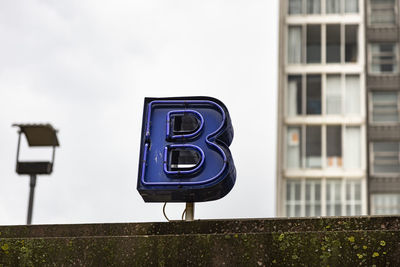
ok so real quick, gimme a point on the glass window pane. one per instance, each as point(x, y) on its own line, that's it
point(334, 146)
point(293, 197)
point(313, 6)
point(382, 12)
point(385, 107)
point(351, 37)
point(352, 148)
point(313, 200)
point(351, 6)
point(294, 44)
point(353, 97)
point(333, 94)
point(332, 6)
point(333, 43)
point(313, 94)
point(333, 197)
point(313, 43)
point(313, 146)
point(385, 204)
point(386, 157)
point(294, 95)
point(295, 6)
point(293, 157)
point(383, 58)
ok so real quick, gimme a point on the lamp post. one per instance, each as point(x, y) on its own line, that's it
point(37, 135)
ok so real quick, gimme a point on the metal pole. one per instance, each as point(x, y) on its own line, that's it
point(32, 185)
point(189, 214)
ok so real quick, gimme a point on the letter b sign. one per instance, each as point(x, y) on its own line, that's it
point(184, 153)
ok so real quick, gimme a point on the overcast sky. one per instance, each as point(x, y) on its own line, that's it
point(86, 66)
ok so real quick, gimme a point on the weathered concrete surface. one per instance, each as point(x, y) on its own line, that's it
point(346, 241)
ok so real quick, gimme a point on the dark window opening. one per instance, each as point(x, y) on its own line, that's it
point(313, 94)
point(333, 43)
point(351, 43)
point(313, 43)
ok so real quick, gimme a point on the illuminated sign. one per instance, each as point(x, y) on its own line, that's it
point(184, 154)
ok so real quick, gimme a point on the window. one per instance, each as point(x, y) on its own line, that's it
point(294, 96)
point(352, 92)
point(313, 44)
point(385, 107)
point(294, 44)
point(334, 146)
point(306, 197)
point(341, 43)
point(333, 94)
point(351, 6)
point(333, 197)
point(293, 152)
point(385, 204)
point(382, 12)
point(313, 6)
point(333, 6)
point(313, 147)
point(337, 100)
point(313, 197)
point(333, 43)
point(295, 7)
point(293, 198)
point(313, 94)
point(383, 58)
point(342, 147)
point(352, 147)
point(385, 158)
point(351, 49)
point(353, 197)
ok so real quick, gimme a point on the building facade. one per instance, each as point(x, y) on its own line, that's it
point(383, 84)
point(322, 115)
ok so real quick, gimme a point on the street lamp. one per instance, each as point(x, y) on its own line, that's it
point(37, 135)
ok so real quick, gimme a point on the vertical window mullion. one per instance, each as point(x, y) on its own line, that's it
point(323, 43)
point(343, 94)
point(323, 94)
point(304, 43)
point(342, 44)
point(302, 197)
point(323, 146)
point(304, 95)
point(323, 196)
point(343, 196)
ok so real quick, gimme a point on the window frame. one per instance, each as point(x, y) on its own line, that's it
point(369, 12)
point(371, 109)
point(324, 94)
point(324, 156)
point(372, 160)
point(373, 205)
point(323, 9)
point(370, 56)
point(323, 43)
point(323, 194)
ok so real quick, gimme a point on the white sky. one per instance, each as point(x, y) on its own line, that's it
point(86, 66)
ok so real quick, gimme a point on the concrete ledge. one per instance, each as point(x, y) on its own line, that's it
point(251, 242)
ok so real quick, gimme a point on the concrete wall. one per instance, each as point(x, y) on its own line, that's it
point(255, 242)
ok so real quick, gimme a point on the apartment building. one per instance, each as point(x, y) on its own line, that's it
point(322, 116)
point(383, 84)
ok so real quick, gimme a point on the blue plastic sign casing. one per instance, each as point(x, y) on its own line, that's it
point(184, 152)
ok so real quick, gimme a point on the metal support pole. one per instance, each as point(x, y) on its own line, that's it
point(32, 185)
point(189, 214)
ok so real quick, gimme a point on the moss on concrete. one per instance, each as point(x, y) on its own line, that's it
point(340, 241)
